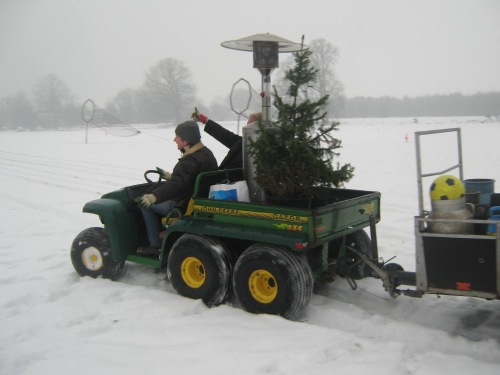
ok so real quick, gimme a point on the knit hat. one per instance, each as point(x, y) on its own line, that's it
point(189, 131)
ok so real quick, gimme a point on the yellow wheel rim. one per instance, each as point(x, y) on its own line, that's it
point(193, 272)
point(263, 286)
point(92, 259)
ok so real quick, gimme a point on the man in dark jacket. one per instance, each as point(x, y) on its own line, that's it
point(179, 188)
point(234, 142)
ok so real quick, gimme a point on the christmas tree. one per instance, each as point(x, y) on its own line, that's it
point(295, 153)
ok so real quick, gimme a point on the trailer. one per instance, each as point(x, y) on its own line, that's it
point(461, 264)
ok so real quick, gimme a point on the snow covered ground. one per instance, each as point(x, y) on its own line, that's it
point(54, 322)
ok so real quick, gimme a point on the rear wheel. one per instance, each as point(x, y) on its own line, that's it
point(349, 264)
point(272, 280)
point(91, 255)
point(199, 267)
point(358, 240)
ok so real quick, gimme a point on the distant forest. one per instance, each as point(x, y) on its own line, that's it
point(168, 96)
point(52, 106)
point(480, 104)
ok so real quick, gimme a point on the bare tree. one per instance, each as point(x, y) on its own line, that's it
point(124, 105)
point(169, 82)
point(16, 112)
point(53, 100)
point(324, 58)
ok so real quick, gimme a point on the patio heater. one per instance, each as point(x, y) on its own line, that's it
point(265, 48)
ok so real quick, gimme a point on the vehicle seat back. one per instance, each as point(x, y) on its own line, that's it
point(177, 213)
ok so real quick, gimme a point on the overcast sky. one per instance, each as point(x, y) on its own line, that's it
point(386, 47)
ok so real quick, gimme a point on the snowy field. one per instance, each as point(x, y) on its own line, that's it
point(54, 322)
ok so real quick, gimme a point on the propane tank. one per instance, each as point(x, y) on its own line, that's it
point(250, 131)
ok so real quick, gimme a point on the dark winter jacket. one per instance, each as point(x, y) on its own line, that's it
point(180, 188)
point(234, 158)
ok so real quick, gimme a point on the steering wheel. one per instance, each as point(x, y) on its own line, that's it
point(159, 172)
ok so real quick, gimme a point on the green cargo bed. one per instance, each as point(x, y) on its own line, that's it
point(336, 213)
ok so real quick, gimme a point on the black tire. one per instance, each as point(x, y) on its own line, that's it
point(272, 280)
point(91, 255)
point(393, 267)
point(358, 240)
point(350, 265)
point(200, 267)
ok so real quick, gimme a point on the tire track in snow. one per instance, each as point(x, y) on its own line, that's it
point(48, 182)
point(55, 173)
point(338, 307)
point(49, 208)
point(80, 165)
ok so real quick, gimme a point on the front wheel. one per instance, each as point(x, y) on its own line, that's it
point(199, 267)
point(272, 280)
point(91, 255)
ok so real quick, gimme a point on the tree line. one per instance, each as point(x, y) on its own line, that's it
point(168, 94)
point(455, 104)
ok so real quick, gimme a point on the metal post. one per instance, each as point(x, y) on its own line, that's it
point(266, 95)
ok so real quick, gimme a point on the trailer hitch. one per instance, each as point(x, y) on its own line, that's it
point(392, 275)
point(388, 282)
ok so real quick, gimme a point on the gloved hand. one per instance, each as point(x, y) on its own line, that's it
point(197, 116)
point(146, 200)
point(166, 175)
point(203, 118)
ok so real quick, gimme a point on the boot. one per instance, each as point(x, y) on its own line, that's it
point(149, 251)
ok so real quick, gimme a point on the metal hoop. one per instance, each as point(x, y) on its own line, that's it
point(235, 110)
point(90, 111)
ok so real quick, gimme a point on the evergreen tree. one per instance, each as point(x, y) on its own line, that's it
point(295, 153)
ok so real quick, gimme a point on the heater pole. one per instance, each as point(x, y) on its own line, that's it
point(266, 95)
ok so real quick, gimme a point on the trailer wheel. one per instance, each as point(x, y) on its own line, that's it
point(393, 267)
point(272, 280)
point(91, 255)
point(200, 267)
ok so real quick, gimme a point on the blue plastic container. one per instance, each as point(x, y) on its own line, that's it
point(494, 215)
point(485, 186)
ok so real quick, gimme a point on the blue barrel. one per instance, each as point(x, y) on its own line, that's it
point(494, 215)
point(495, 199)
point(485, 186)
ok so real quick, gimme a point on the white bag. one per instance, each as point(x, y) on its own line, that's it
point(236, 191)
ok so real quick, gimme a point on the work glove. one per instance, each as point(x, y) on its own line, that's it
point(166, 175)
point(197, 116)
point(146, 200)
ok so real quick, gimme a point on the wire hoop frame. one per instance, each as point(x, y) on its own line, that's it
point(88, 110)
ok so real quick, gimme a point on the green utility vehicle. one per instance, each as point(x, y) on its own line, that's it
point(263, 257)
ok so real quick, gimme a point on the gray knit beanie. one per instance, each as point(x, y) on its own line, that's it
point(189, 131)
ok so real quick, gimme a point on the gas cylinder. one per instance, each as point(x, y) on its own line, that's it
point(251, 131)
